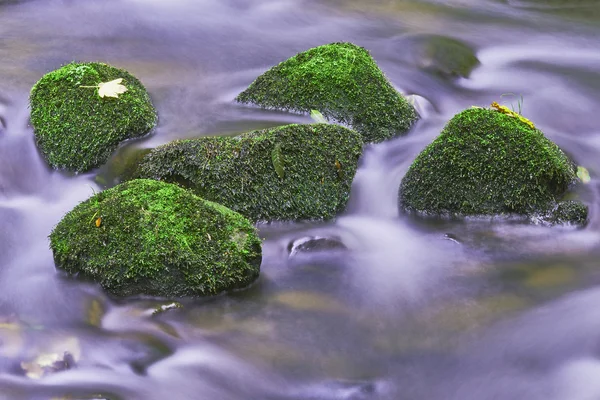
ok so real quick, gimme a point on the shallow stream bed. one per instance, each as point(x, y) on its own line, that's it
point(392, 307)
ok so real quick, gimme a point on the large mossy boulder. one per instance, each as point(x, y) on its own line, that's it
point(294, 172)
point(343, 82)
point(77, 129)
point(486, 162)
point(153, 238)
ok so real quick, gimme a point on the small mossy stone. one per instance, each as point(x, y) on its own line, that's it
point(294, 172)
point(75, 128)
point(485, 162)
point(569, 212)
point(145, 237)
point(343, 82)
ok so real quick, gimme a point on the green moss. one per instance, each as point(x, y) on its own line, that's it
point(343, 82)
point(318, 164)
point(157, 239)
point(75, 128)
point(486, 162)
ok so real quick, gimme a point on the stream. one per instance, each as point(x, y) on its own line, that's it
point(373, 305)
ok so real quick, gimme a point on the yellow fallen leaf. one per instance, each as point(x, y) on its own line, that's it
point(511, 113)
point(502, 109)
point(583, 174)
point(111, 89)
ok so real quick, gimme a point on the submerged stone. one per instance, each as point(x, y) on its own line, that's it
point(343, 82)
point(75, 128)
point(162, 308)
point(441, 55)
point(293, 172)
point(485, 162)
point(154, 238)
point(315, 244)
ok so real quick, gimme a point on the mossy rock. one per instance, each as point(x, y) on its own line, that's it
point(153, 238)
point(75, 128)
point(485, 162)
point(568, 212)
point(294, 172)
point(343, 82)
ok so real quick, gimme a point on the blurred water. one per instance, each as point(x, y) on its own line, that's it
point(396, 307)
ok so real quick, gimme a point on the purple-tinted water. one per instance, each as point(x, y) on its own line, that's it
point(408, 310)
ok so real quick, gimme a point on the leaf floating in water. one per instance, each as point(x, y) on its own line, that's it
point(583, 174)
point(511, 113)
point(110, 89)
point(278, 162)
point(318, 117)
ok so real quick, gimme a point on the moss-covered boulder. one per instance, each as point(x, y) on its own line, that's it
point(154, 238)
point(486, 162)
point(294, 172)
point(343, 82)
point(75, 128)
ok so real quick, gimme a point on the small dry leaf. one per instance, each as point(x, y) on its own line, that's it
point(111, 89)
point(98, 222)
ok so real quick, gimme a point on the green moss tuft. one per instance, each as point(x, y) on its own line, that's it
point(157, 239)
point(309, 179)
point(76, 129)
point(483, 163)
point(343, 82)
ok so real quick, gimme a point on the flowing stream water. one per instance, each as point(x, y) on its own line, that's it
point(390, 306)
